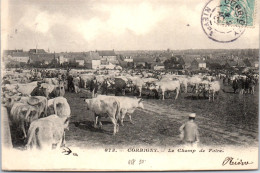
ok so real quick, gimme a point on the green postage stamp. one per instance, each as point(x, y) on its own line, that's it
point(237, 12)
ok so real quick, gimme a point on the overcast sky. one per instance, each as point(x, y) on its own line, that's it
point(83, 25)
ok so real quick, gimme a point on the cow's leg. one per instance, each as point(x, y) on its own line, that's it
point(93, 93)
point(130, 118)
point(250, 90)
point(116, 127)
point(123, 112)
point(95, 121)
point(45, 143)
point(196, 88)
point(100, 124)
point(23, 129)
point(60, 144)
point(75, 88)
point(177, 93)
point(162, 95)
point(63, 142)
point(140, 92)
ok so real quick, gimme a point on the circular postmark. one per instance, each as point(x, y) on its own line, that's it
point(223, 21)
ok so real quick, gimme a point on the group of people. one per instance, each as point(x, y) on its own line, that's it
point(244, 85)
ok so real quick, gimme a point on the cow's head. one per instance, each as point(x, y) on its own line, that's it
point(153, 86)
point(9, 101)
point(87, 101)
point(33, 115)
point(210, 86)
point(45, 91)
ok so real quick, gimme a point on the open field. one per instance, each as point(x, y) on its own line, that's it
point(231, 120)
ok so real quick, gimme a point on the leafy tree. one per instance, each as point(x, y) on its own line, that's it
point(215, 66)
point(175, 62)
point(130, 64)
point(148, 65)
point(157, 59)
point(139, 66)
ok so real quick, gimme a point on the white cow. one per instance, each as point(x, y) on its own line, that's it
point(53, 81)
point(59, 106)
point(26, 89)
point(214, 87)
point(194, 81)
point(127, 106)
point(138, 83)
point(46, 132)
point(164, 86)
point(107, 107)
point(22, 114)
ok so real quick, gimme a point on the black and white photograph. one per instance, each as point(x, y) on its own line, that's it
point(129, 85)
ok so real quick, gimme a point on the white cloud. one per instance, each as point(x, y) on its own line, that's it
point(90, 29)
point(139, 18)
point(133, 24)
point(40, 21)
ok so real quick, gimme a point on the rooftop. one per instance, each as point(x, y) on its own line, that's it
point(20, 54)
point(37, 51)
point(106, 53)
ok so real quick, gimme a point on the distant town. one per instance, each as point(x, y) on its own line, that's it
point(197, 59)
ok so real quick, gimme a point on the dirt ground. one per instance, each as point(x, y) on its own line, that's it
point(232, 119)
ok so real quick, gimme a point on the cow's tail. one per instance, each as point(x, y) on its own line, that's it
point(27, 118)
point(46, 107)
point(55, 107)
point(59, 88)
point(31, 136)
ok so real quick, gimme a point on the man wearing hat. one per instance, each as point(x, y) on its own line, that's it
point(38, 91)
point(189, 131)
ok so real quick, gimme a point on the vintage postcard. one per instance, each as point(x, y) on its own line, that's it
point(129, 85)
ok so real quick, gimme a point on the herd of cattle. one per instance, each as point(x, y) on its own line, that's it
point(34, 102)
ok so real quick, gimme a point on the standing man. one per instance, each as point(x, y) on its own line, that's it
point(76, 82)
point(189, 131)
point(104, 87)
point(38, 90)
point(70, 83)
point(94, 87)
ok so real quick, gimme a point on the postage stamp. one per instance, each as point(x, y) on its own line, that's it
point(237, 12)
point(212, 16)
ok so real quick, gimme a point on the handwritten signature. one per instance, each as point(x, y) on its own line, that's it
point(232, 161)
point(67, 151)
